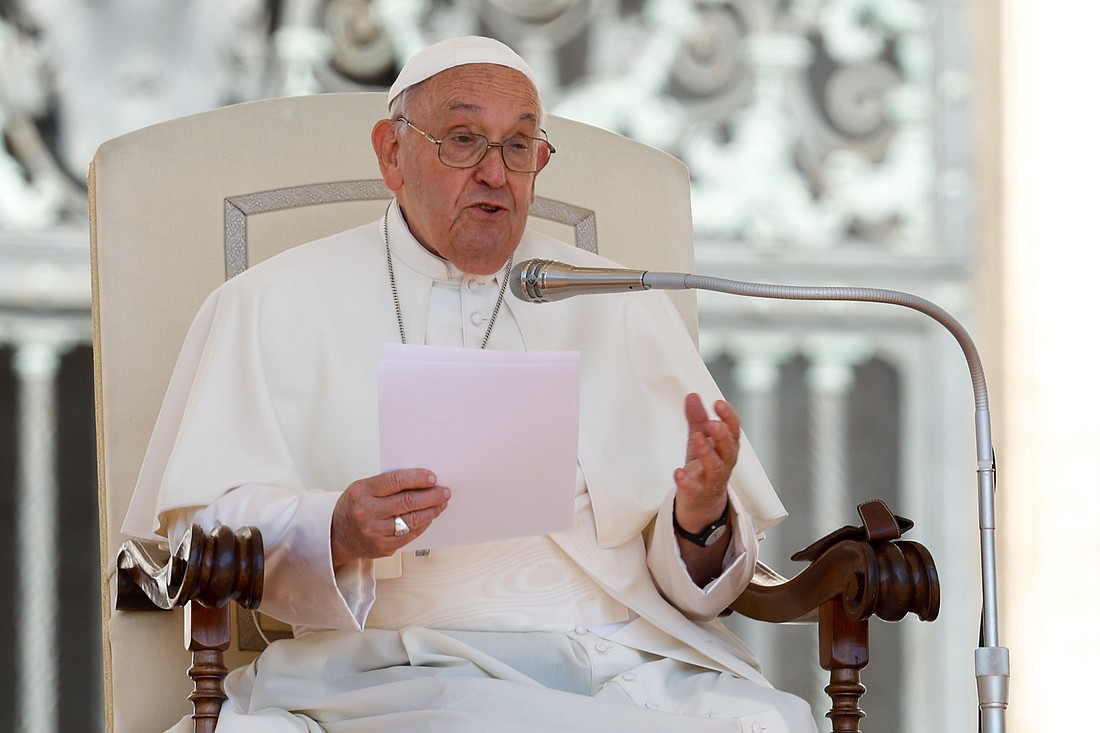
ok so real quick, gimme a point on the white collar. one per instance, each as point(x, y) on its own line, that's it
point(419, 258)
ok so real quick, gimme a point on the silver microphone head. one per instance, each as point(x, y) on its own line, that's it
point(544, 281)
point(524, 280)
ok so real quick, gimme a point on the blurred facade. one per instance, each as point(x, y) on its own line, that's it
point(829, 143)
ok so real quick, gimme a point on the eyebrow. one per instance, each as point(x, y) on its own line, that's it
point(471, 107)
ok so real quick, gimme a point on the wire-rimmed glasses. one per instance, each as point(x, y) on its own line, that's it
point(461, 149)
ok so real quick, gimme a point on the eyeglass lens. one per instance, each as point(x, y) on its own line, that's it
point(521, 154)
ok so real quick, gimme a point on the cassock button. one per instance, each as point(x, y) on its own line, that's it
point(580, 629)
point(759, 728)
point(477, 319)
point(629, 676)
point(473, 285)
point(603, 648)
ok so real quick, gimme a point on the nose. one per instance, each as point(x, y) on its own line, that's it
point(491, 169)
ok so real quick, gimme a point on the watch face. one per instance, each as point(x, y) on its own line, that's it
point(716, 535)
point(709, 535)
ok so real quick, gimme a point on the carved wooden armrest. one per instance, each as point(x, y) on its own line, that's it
point(206, 573)
point(854, 573)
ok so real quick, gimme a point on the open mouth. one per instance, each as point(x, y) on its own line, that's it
point(489, 208)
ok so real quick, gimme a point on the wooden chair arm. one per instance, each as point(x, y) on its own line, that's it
point(206, 573)
point(212, 568)
point(884, 579)
point(854, 574)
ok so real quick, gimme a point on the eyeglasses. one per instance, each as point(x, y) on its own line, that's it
point(520, 153)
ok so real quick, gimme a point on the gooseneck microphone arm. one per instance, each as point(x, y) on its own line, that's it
point(542, 281)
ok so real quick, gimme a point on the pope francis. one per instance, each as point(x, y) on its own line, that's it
point(271, 420)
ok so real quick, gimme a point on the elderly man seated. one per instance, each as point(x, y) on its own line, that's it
point(270, 420)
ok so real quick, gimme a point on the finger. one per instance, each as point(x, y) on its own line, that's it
point(713, 467)
point(411, 501)
point(732, 424)
point(695, 412)
point(687, 480)
point(394, 482)
point(728, 415)
point(713, 434)
point(704, 466)
point(362, 507)
point(722, 440)
point(417, 521)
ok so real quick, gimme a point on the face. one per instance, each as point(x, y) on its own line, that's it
point(473, 217)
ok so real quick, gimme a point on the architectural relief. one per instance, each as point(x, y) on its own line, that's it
point(813, 130)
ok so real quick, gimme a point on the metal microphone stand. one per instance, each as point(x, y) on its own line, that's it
point(990, 660)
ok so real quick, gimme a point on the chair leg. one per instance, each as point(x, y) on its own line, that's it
point(209, 634)
point(843, 650)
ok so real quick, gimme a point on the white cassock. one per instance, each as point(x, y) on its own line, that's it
point(271, 413)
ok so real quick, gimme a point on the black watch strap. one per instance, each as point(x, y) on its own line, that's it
point(710, 534)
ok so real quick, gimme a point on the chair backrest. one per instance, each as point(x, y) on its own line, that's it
point(176, 206)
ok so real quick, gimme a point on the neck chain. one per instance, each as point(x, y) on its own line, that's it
point(397, 301)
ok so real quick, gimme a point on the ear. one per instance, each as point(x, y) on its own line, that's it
point(384, 139)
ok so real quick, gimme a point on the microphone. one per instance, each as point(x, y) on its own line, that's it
point(542, 281)
point(546, 281)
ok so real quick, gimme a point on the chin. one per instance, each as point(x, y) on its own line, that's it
point(487, 264)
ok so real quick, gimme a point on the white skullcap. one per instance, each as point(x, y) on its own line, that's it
point(453, 52)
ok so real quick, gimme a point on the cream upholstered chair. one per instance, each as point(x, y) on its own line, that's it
point(178, 207)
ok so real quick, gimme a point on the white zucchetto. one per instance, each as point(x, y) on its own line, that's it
point(453, 52)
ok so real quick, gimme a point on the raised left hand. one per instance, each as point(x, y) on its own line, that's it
point(712, 449)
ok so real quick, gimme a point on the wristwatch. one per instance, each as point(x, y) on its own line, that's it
point(710, 534)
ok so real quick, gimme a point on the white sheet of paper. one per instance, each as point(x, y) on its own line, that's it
point(498, 428)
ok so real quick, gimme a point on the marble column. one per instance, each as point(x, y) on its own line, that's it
point(830, 378)
point(35, 364)
point(300, 46)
